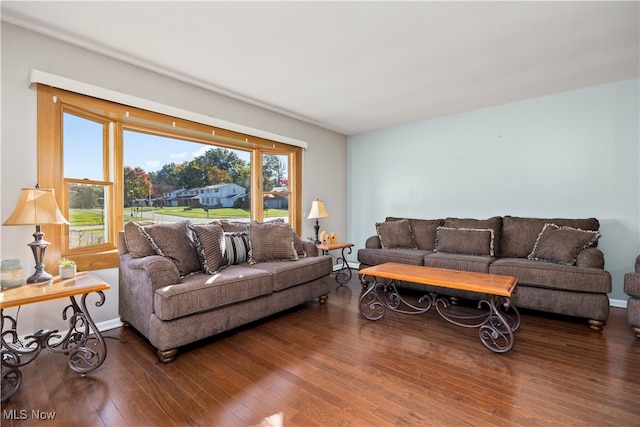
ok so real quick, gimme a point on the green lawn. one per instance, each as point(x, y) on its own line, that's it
point(185, 212)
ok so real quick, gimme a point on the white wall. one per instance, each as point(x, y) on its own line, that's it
point(574, 154)
point(23, 50)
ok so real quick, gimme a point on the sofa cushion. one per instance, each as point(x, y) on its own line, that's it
point(380, 256)
point(479, 264)
point(494, 223)
point(271, 242)
point(553, 276)
point(174, 242)
point(423, 231)
point(288, 274)
point(201, 292)
point(395, 234)
point(561, 244)
point(236, 247)
point(137, 243)
point(209, 240)
point(520, 234)
point(465, 241)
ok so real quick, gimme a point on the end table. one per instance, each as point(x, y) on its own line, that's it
point(82, 344)
point(344, 273)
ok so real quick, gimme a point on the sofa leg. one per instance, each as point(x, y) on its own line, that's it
point(323, 298)
point(167, 356)
point(596, 324)
point(636, 329)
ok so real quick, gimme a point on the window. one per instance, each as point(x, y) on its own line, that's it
point(109, 163)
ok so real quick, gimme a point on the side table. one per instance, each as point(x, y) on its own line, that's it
point(82, 344)
point(344, 273)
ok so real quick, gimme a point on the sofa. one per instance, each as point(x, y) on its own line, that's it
point(632, 288)
point(183, 282)
point(556, 260)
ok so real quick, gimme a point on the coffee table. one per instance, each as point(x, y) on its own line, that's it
point(495, 318)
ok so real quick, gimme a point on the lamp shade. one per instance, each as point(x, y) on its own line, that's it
point(318, 210)
point(36, 206)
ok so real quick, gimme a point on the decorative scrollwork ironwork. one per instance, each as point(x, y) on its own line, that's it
point(495, 318)
point(83, 344)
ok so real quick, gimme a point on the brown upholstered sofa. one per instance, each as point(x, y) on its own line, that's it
point(556, 260)
point(632, 288)
point(182, 282)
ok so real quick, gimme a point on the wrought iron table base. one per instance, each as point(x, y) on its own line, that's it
point(343, 275)
point(83, 344)
point(496, 319)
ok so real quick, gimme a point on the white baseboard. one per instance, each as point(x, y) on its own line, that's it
point(620, 303)
point(109, 324)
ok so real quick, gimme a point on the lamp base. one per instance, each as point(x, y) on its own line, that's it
point(38, 247)
point(39, 277)
point(316, 228)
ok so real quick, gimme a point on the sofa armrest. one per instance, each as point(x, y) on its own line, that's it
point(590, 257)
point(154, 271)
point(373, 242)
point(310, 248)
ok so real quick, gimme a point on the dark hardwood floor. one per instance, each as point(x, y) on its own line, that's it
point(325, 365)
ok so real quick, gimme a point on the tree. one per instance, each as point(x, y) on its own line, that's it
point(136, 184)
point(274, 171)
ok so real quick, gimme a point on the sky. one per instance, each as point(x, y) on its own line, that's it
point(149, 152)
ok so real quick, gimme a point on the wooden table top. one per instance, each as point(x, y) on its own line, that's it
point(493, 284)
point(30, 293)
point(333, 246)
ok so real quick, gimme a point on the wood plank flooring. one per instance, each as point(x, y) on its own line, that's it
point(325, 365)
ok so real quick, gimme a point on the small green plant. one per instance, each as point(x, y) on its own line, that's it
point(66, 263)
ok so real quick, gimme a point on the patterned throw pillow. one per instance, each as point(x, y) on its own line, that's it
point(174, 242)
point(209, 240)
point(271, 241)
point(561, 244)
point(236, 247)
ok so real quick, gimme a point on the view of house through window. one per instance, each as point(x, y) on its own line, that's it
point(167, 179)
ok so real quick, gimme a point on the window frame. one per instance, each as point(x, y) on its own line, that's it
point(53, 102)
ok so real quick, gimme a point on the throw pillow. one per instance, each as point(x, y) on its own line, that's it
point(232, 226)
point(299, 245)
point(209, 240)
point(561, 244)
point(395, 234)
point(174, 242)
point(236, 247)
point(271, 242)
point(137, 243)
point(465, 241)
point(423, 231)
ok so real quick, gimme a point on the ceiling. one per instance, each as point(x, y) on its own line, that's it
point(357, 66)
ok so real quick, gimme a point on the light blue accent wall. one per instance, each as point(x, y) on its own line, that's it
point(573, 154)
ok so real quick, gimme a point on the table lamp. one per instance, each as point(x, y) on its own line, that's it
point(317, 211)
point(37, 206)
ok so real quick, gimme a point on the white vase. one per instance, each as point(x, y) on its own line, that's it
point(67, 272)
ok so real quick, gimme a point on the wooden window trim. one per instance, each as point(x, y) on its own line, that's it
point(50, 172)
